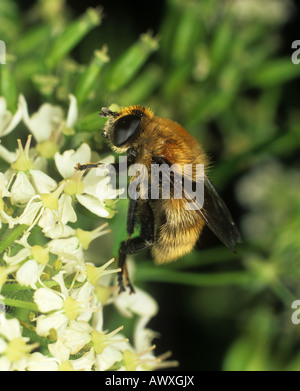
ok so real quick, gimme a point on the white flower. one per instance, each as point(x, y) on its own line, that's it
point(143, 305)
point(24, 180)
point(63, 306)
point(88, 188)
point(4, 217)
point(50, 212)
point(140, 303)
point(70, 245)
point(38, 362)
point(104, 346)
point(62, 354)
point(74, 337)
point(66, 162)
point(79, 241)
point(8, 121)
point(13, 346)
point(60, 360)
point(35, 257)
point(108, 358)
point(48, 121)
point(28, 274)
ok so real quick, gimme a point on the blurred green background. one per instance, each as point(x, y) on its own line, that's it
point(223, 70)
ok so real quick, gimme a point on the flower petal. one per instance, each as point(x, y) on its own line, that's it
point(94, 205)
point(85, 362)
point(44, 121)
point(27, 275)
point(39, 362)
point(73, 112)
point(59, 350)
point(17, 258)
point(6, 155)
point(45, 323)
point(42, 182)
point(141, 304)
point(8, 121)
point(76, 336)
point(66, 162)
point(9, 328)
point(21, 190)
point(65, 209)
point(60, 246)
point(30, 212)
point(47, 300)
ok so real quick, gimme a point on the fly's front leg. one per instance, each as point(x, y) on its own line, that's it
point(131, 218)
point(135, 245)
point(83, 167)
point(119, 168)
point(130, 246)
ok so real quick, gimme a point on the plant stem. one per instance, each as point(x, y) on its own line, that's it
point(20, 304)
point(11, 237)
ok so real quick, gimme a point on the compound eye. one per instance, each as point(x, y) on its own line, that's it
point(124, 128)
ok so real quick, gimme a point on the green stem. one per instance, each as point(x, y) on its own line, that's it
point(20, 304)
point(8, 288)
point(201, 279)
point(11, 237)
point(88, 80)
point(283, 293)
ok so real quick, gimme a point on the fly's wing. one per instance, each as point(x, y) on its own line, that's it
point(217, 217)
point(212, 208)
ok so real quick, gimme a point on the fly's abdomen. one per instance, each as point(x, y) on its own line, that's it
point(177, 231)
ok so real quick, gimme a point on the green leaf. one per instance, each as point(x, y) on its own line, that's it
point(162, 274)
point(8, 83)
point(274, 73)
point(72, 35)
point(91, 123)
point(222, 44)
point(88, 79)
point(128, 65)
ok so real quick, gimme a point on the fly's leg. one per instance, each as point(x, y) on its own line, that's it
point(135, 245)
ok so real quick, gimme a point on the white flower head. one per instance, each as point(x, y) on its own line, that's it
point(48, 119)
point(60, 361)
point(30, 263)
point(66, 162)
point(24, 180)
point(13, 346)
point(48, 124)
point(141, 304)
point(50, 212)
point(85, 188)
point(62, 307)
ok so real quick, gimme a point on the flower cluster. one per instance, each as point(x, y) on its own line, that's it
point(51, 316)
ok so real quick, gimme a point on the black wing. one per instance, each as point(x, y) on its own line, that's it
point(213, 210)
point(217, 217)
